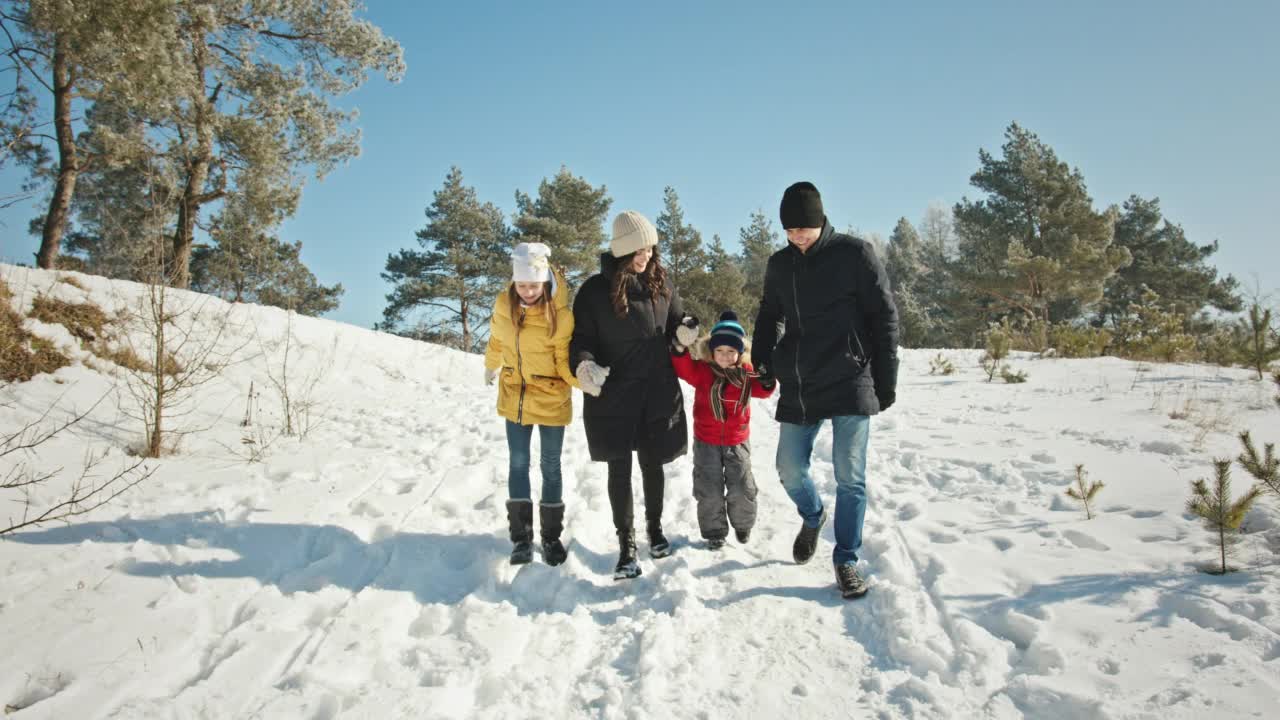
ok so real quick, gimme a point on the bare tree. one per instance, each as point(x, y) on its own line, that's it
point(177, 335)
point(295, 390)
point(90, 489)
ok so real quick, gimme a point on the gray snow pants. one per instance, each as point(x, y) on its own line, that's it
point(722, 481)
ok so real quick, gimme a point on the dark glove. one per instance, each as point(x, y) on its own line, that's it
point(886, 399)
point(765, 378)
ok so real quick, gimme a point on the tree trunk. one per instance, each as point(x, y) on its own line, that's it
point(55, 221)
point(466, 325)
point(198, 168)
point(1222, 545)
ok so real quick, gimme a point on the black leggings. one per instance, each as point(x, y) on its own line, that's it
point(620, 492)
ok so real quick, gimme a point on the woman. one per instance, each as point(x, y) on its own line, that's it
point(623, 318)
point(529, 343)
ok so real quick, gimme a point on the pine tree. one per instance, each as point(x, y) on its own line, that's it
point(680, 247)
point(76, 51)
point(1035, 244)
point(725, 287)
point(1266, 468)
point(1167, 263)
point(568, 216)
point(1262, 342)
point(1221, 514)
point(255, 108)
point(904, 263)
point(1085, 492)
point(1148, 331)
point(462, 266)
point(247, 265)
point(758, 241)
point(940, 293)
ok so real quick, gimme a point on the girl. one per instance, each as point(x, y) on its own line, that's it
point(528, 355)
point(623, 318)
point(723, 384)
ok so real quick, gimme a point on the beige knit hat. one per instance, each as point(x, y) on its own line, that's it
point(631, 231)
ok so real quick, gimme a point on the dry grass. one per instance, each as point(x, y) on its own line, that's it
point(22, 355)
point(70, 280)
point(86, 321)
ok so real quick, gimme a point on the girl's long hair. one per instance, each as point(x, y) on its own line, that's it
point(654, 279)
point(548, 307)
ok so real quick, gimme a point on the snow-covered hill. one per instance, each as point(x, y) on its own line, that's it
point(361, 571)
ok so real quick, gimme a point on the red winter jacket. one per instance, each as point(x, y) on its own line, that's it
point(736, 428)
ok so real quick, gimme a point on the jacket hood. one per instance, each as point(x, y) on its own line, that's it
point(824, 239)
point(701, 350)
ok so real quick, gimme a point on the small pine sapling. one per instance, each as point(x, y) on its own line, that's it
point(1085, 492)
point(940, 365)
point(999, 339)
point(1012, 376)
point(1222, 515)
point(1265, 469)
point(1261, 342)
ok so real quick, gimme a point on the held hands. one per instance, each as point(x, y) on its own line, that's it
point(490, 375)
point(765, 378)
point(591, 377)
point(686, 333)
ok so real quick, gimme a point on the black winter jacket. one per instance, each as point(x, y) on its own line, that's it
point(640, 405)
point(838, 354)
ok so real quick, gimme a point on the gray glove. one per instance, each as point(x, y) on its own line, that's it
point(591, 377)
point(490, 375)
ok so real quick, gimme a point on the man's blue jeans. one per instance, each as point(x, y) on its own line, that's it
point(519, 438)
point(849, 458)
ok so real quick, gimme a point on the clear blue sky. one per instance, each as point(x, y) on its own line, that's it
point(883, 105)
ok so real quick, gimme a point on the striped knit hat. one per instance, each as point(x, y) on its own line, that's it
point(728, 332)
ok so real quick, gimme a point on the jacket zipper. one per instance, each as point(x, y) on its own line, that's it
point(520, 369)
point(795, 294)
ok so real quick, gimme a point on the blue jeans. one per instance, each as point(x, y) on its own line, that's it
point(849, 458)
point(518, 440)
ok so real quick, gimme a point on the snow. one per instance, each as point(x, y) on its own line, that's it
point(362, 571)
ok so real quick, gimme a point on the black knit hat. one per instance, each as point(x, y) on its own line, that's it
point(728, 332)
point(802, 207)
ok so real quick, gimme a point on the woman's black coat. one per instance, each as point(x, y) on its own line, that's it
point(640, 406)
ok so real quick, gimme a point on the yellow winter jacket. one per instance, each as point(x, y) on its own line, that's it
point(533, 386)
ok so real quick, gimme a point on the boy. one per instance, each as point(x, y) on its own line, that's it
point(723, 384)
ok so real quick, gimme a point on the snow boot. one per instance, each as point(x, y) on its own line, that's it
point(715, 543)
point(743, 535)
point(850, 582)
point(627, 567)
point(551, 516)
point(807, 540)
point(520, 524)
point(658, 545)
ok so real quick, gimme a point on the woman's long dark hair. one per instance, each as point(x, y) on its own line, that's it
point(654, 278)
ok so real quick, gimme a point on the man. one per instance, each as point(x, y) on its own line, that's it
point(837, 360)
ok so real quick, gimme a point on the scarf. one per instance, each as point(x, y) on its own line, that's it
point(734, 376)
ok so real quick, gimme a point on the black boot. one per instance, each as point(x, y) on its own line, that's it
point(520, 523)
point(551, 516)
point(627, 568)
point(658, 545)
point(807, 540)
point(850, 581)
